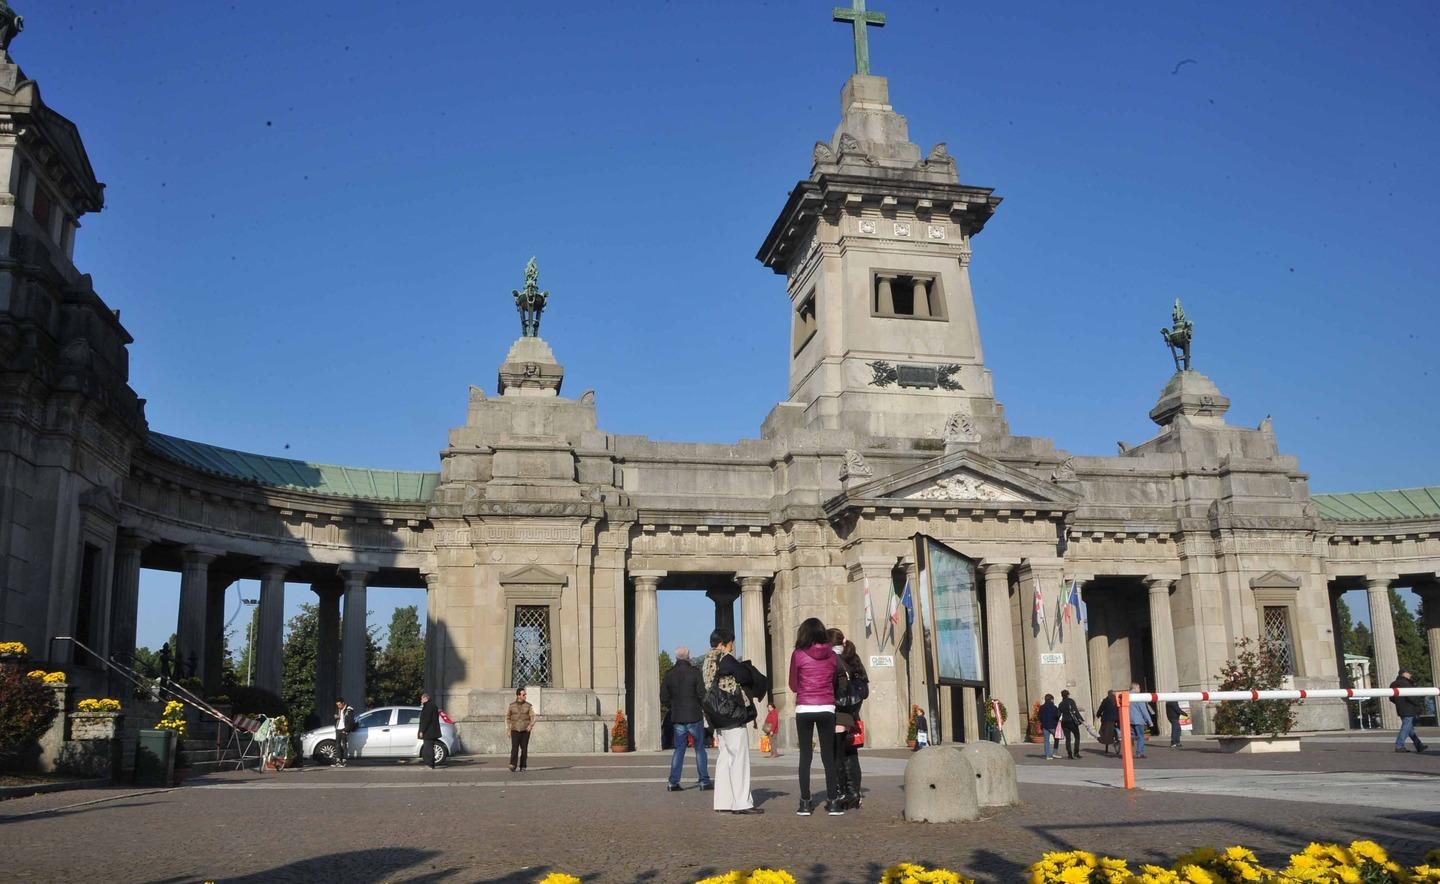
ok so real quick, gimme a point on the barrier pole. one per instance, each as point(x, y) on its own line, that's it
point(1127, 750)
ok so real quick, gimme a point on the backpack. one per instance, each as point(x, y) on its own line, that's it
point(851, 688)
point(349, 720)
point(725, 707)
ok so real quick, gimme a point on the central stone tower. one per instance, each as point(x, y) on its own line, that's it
point(875, 246)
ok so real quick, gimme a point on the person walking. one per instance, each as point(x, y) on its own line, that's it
point(852, 687)
point(519, 723)
point(344, 727)
point(1049, 716)
point(683, 690)
point(1407, 708)
point(772, 730)
point(922, 730)
point(1070, 721)
point(720, 670)
point(429, 729)
point(1140, 722)
point(1172, 715)
point(812, 681)
point(1109, 717)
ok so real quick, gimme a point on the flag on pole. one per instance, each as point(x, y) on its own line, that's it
point(907, 599)
point(894, 611)
point(1039, 604)
point(1074, 603)
point(869, 612)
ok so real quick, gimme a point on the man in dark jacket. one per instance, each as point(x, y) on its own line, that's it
point(1049, 720)
point(1070, 721)
point(682, 690)
point(1172, 715)
point(429, 729)
point(1407, 708)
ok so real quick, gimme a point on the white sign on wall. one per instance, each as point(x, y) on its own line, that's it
point(1052, 659)
point(880, 662)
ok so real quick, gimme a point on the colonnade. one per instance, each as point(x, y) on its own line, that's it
point(1382, 632)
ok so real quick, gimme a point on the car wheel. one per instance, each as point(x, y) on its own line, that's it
point(327, 752)
point(441, 753)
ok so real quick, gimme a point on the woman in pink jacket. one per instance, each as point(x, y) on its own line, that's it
point(812, 681)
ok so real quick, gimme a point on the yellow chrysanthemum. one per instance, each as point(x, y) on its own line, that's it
point(13, 649)
point(35, 673)
point(559, 878)
point(1368, 850)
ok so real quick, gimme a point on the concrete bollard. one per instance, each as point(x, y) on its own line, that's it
point(940, 787)
point(995, 781)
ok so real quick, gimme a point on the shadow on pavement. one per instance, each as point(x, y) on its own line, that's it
point(352, 866)
point(101, 804)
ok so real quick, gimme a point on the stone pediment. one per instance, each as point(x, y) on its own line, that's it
point(963, 478)
point(1275, 580)
point(534, 575)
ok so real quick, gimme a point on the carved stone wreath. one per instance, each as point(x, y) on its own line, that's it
point(885, 373)
point(947, 377)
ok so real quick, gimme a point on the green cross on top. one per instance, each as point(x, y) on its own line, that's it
point(860, 19)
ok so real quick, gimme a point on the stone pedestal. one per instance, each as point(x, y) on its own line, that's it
point(567, 722)
point(530, 369)
point(52, 742)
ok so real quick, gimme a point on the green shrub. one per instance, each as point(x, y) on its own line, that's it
point(27, 707)
point(1253, 669)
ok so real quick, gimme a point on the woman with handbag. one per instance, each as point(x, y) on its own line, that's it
point(852, 687)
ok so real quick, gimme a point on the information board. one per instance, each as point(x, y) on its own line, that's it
point(950, 594)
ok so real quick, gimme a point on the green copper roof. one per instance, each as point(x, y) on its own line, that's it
point(280, 472)
point(1373, 506)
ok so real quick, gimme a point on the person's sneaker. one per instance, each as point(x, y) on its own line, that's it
point(1421, 748)
point(512, 768)
point(804, 807)
point(706, 787)
point(834, 809)
point(1401, 749)
point(673, 787)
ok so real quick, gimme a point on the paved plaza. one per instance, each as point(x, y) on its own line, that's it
point(608, 818)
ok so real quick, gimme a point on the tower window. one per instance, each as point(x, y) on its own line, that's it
point(805, 324)
point(906, 295)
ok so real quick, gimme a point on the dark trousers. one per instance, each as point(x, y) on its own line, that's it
point(1072, 739)
point(427, 751)
point(823, 724)
point(519, 749)
point(847, 766)
point(342, 745)
point(1175, 732)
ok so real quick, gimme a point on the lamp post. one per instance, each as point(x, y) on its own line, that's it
point(249, 641)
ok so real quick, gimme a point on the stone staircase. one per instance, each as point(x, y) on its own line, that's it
point(205, 743)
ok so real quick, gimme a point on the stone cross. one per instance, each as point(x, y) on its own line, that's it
point(859, 19)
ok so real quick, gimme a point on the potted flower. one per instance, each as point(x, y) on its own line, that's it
point(1254, 725)
point(173, 720)
point(619, 734)
point(95, 720)
point(993, 725)
point(13, 654)
point(912, 730)
point(1032, 727)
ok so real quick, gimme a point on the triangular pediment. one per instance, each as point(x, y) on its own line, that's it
point(964, 478)
point(1275, 580)
point(533, 575)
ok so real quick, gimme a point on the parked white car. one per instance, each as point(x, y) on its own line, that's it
point(386, 732)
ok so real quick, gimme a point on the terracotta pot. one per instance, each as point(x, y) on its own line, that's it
point(910, 744)
point(619, 748)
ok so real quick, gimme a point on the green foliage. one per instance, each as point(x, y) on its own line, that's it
point(27, 707)
point(1255, 668)
point(297, 679)
point(1409, 641)
point(248, 700)
point(399, 671)
point(666, 664)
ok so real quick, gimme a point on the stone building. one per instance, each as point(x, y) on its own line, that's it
point(543, 539)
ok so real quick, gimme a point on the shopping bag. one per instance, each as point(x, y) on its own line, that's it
point(764, 742)
point(857, 736)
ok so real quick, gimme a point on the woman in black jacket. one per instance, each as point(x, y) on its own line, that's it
point(1070, 719)
point(852, 686)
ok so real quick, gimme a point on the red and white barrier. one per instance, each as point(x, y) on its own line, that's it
point(1125, 698)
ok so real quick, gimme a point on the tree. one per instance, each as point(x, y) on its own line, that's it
point(1409, 640)
point(245, 666)
point(399, 674)
point(297, 679)
point(666, 664)
point(1255, 668)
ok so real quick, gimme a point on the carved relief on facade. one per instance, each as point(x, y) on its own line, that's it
point(962, 486)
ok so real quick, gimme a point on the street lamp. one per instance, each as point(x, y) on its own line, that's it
point(249, 641)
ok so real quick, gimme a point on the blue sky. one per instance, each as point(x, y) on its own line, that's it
point(315, 218)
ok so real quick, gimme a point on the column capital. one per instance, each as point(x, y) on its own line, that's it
point(200, 555)
point(133, 540)
point(998, 566)
point(1159, 584)
point(276, 569)
point(647, 581)
point(432, 579)
point(1380, 583)
point(753, 581)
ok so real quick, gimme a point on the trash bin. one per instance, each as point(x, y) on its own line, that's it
point(155, 758)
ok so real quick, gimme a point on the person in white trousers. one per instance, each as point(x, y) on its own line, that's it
point(732, 765)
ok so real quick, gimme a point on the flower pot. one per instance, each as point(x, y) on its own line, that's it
point(13, 660)
point(95, 725)
point(910, 744)
point(619, 748)
point(1257, 744)
point(155, 757)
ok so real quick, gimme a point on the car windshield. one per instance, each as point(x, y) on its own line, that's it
point(373, 718)
point(408, 716)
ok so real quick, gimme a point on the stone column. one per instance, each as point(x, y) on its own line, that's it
point(752, 617)
point(126, 595)
point(212, 664)
point(919, 653)
point(194, 601)
point(645, 728)
point(922, 296)
point(724, 600)
point(1098, 647)
point(1162, 634)
point(1387, 657)
point(1430, 598)
point(327, 648)
point(433, 667)
point(270, 628)
point(354, 639)
point(884, 294)
point(1000, 645)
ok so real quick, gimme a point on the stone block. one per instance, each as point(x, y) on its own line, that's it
point(940, 787)
point(995, 782)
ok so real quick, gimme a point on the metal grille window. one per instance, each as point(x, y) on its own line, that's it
point(530, 660)
point(1277, 636)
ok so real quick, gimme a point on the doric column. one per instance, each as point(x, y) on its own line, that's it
point(1162, 634)
point(327, 647)
point(194, 602)
point(918, 653)
point(125, 598)
point(922, 296)
point(724, 600)
point(270, 626)
point(1430, 598)
point(752, 617)
point(1382, 630)
point(1000, 645)
point(432, 650)
point(353, 641)
point(645, 728)
point(884, 294)
point(212, 665)
point(1098, 646)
